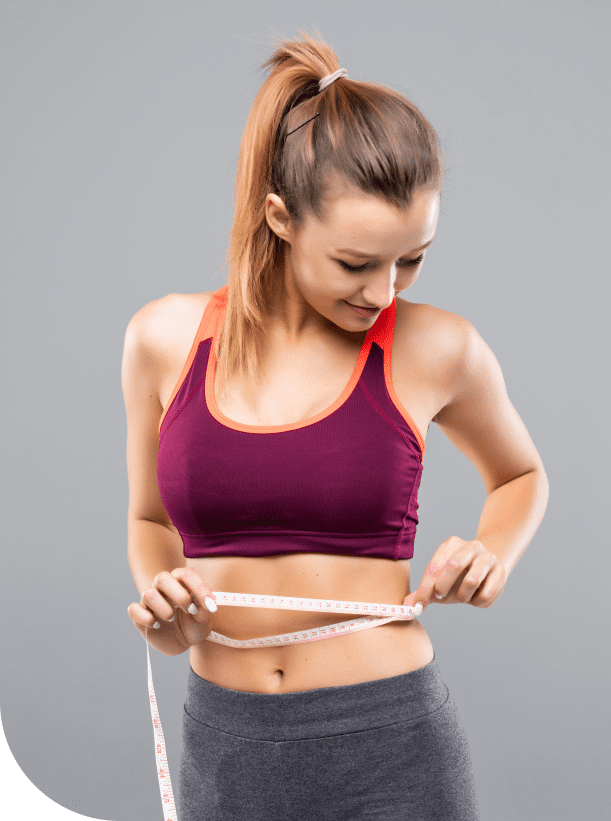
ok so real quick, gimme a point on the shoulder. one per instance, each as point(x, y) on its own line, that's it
point(159, 336)
point(439, 345)
point(477, 415)
point(155, 317)
point(160, 325)
point(434, 339)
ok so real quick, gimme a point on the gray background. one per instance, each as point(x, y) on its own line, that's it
point(120, 129)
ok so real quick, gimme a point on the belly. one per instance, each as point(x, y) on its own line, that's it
point(379, 652)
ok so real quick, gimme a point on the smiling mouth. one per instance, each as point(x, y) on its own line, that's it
point(361, 307)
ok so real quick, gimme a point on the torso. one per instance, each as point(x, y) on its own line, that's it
point(297, 387)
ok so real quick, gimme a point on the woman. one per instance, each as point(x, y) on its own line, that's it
point(275, 443)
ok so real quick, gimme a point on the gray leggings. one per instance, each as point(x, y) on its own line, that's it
point(387, 750)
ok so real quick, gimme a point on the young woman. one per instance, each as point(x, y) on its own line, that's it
point(276, 432)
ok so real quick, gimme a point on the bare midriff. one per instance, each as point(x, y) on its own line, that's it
point(379, 652)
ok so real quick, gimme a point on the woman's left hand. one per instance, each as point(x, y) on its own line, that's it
point(461, 572)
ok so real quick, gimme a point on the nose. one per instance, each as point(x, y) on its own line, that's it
point(380, 291)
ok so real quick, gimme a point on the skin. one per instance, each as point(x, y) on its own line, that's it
point(308, 303)
point(312, 284)
point(315, 283)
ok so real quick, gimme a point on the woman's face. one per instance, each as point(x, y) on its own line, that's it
point(365, 253)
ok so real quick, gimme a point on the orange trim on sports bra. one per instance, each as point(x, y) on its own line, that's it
point(201, 334)
point(381, 332)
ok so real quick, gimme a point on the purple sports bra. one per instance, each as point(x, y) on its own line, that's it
point(344, 481)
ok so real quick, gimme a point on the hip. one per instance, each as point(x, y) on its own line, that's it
point(386, 749)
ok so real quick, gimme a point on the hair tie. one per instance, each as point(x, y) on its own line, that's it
point(330, 78)
point(322, 84)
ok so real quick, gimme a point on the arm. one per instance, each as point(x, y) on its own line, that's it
point(151, 548)
point(511, 516)
point(482, 423)
point(153, 543)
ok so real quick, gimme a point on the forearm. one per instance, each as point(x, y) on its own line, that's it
point(151, 548)
point(511, 516)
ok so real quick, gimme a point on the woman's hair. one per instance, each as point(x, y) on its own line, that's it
point(364, 134)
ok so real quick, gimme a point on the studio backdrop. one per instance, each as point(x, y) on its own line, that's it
point(121, 123)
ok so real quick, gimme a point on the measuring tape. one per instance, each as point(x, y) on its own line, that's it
point(373, 615)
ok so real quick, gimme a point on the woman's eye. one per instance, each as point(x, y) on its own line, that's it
point(351, 267)
point(356, 268)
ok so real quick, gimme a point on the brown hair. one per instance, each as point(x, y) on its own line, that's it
point(372, 136)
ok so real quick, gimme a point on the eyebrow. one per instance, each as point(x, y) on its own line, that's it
point(356, 253)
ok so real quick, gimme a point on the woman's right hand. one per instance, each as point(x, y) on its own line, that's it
point(170, 596)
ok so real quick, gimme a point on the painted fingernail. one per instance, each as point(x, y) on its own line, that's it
point(210, 604)
point(418, 609)
point(192, 608)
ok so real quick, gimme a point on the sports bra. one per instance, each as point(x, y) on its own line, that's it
point(344, 481)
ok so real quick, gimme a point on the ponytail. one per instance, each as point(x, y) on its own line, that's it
point(296, 137)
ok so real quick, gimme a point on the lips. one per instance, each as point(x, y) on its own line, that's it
point(362, 308)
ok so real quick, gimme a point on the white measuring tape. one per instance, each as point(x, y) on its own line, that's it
point(374, 615)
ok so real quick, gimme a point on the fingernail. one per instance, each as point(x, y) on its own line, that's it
point(192, 608)
point(437, 596)
point(418, 609)
point(173, 617)
point(156, 625)
point(210, 604)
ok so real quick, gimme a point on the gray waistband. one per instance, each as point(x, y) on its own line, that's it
point(316, 713)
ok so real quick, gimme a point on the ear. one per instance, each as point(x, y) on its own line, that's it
point(278, 217)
